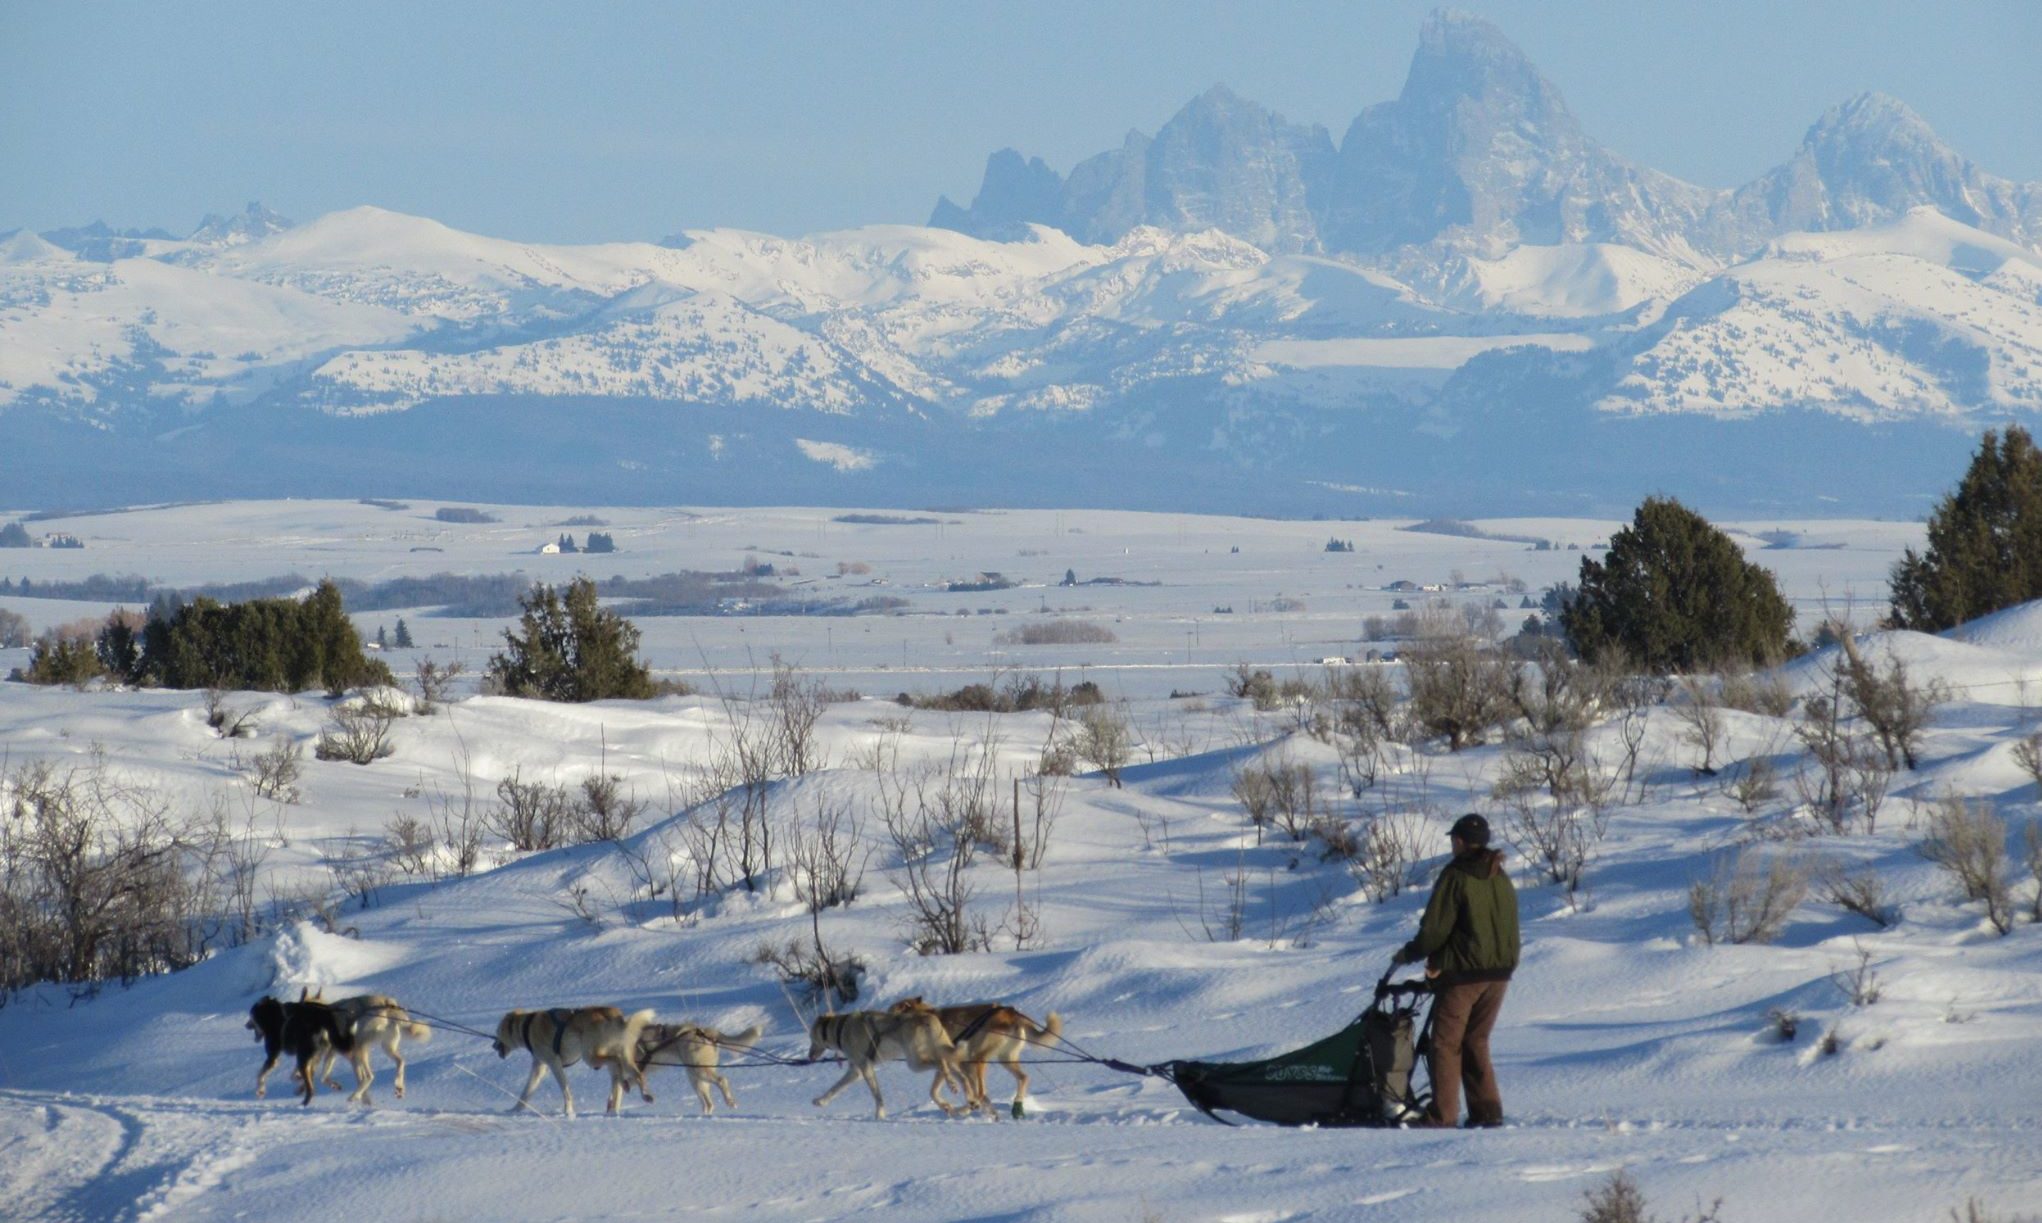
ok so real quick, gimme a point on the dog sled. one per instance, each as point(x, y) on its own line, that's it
point(1363, 1075)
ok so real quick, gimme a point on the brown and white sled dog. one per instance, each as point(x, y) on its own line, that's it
point(375, 1021)
point(306, 1030)
point(866, 1039)
point(697, 1050)
point(558, 1038)
point(987, 1032)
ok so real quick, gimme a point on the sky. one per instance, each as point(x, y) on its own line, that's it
point(579, 123)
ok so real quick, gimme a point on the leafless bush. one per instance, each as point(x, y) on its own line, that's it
point(14, 631)
point(1558, 693)
point(1558, 840)
point(1619, 1200)
point(1701, 721)
point(227, 722)
point(1390, 846)
point(1760, 692)
point(824, 980)
point(409, 843)
point(530, 815)
point(1754, 785)
point(1460, 685)
point(1254, 789)
point(935, 846)
point(2028, 754)
point(99, 880)
point(2032, 843)
point(358, 733)
point(1858, 983)
point(793, 708)
point(1060, 632)
point(1103, 739)
point(1891, 703)
point(827, 854)
point(1975, 1211)
point(457, 826)
point(359, 869)
point(1748, 897)
point(605, 811)
point(1858, 892)
point(1259, 687)
point(434, 682)
point(1969, 841)
point(1849, 777)
point(1044, 793)
point(274, 772)
point(1365, 716)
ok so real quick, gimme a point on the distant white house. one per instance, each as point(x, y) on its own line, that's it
point(551, 549)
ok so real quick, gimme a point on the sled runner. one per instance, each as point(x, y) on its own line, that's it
point(1362, 1075)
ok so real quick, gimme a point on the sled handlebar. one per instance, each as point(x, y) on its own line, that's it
point(1386, 989)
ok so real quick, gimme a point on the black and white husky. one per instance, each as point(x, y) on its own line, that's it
point(306, 1030)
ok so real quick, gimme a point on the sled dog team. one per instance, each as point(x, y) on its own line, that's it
point(957, 1043)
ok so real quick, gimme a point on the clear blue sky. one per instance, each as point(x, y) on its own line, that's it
point(598, 121)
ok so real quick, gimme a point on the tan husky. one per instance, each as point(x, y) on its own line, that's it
point(374, 1020)
point(559, 1038)
point(697, 1050)
point(987, 1032)
point(868, 1038)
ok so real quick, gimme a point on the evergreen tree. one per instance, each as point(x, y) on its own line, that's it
point(599, 541)
point(570, 649)
point(1984, 541)
point(14, 535)
point(1676, 594)
point(404, 641)
point(382, 638)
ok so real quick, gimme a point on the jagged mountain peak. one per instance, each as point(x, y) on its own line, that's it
point(1460, 53)
point(252, 224)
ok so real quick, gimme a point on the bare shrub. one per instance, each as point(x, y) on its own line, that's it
point(1103, 739)
point(1044, 792)
point(1850, 777)
point(14, 630)
point(227, 722)
point(793, 708)
point(1460, 685)
point(1858, 983)
point(457, 826)
point(2032, 843)
point(1754, 785)
point(530, 815)
point(604, 811)
point(1859, 892)
point(1969, 841)
point(1748, 897)
point(932, 876)
point(99, 880)
point(827, 854)
point(434, 682)
point(1365, 716)
point(806, 965)
point(1975, 1211)
point(1558, 840)
point(1390, 846)
point(358, 733)
point(1758, 692)
point(1060, 632)
point(1891, 703)
point(1254, 789)
point(1258, 687)
point(1701, 721)
point(274, 772)
point(1619, 1200)
point(409, 842)
point(2028, 754)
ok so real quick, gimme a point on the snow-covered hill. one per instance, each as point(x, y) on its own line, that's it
point(1627, 1040)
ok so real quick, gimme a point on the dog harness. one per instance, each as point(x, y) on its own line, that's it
point(559, 1015)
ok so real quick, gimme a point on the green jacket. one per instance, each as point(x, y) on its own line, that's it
point(1469, 931)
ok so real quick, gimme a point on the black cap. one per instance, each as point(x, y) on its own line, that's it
point(1471, 828)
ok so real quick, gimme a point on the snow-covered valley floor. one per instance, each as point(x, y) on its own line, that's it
point(1626, 1042)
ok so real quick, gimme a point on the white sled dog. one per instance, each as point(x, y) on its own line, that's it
point(558, 1038)
point(984, 1033)
point(868, 1038)
point(697, 1050)
point(374, 1020)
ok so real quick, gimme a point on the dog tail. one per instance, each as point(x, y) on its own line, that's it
point(1053, 1027)
point(414, 1030)
point(741, 1040)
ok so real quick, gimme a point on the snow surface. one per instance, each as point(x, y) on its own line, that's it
point(1625, 1041)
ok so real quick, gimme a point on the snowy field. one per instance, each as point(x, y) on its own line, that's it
point(1166, 927)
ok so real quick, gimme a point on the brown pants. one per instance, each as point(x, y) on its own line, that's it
point(1462, 1016)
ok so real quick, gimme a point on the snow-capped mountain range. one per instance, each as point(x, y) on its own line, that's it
point(1467, 303)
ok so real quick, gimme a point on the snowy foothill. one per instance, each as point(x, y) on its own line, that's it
point(1159, 921)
